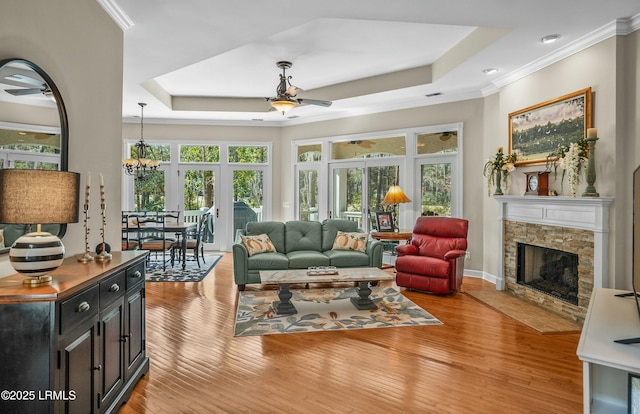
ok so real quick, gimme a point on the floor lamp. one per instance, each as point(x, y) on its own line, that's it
point(395, 196)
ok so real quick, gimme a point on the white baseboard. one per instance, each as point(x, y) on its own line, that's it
point(484, 276)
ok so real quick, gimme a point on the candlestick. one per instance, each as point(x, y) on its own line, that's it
point(87, 186)
point(103, 255)
point(590, 191)
point(592, 132)
point(86, 257)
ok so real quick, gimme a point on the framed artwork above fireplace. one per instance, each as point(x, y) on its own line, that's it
point(539, 130)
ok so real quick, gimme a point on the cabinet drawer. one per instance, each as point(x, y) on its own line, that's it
point(78, 308)
point(135, 274)
point(112, 288)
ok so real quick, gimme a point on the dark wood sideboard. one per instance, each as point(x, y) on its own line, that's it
point(76, 345)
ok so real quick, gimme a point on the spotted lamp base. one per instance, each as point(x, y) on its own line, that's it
point(35, 255)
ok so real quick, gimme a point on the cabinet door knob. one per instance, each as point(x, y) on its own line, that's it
point(83, 307)
point(125, 337)
point(114, 288)
point(137, 273)
point(98, 368)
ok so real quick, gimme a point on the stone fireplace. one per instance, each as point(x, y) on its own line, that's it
point(562, 242)
point(549, 271)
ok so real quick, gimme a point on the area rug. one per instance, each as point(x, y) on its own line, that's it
point(529, 314)
point(326, 310)
point(192, 273)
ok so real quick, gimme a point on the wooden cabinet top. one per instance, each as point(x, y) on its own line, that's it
point(69, 278)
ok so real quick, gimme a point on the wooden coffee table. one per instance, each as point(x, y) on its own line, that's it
point(284, 278)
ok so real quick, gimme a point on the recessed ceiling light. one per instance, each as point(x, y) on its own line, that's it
point(431, 95)
point(490, 71)
point(550, 38)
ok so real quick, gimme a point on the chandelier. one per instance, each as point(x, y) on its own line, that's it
point(142, 165)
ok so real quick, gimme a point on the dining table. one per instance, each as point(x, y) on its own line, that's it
point(175, 227)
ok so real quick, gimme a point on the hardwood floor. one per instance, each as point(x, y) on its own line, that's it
point(478, 361)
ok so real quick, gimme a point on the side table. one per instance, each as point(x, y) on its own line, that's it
point(392, 236)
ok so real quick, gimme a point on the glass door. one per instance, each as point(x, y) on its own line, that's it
point(199, 195)
point(358, 189)
point(347, 193)
point(308, 190)
point(436, 184)
point(248, 200)
point(379, 179)
point(150, 193)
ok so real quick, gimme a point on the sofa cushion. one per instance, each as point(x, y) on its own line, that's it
point(268, 261)
point(273, 229)
point(257, 244)
point(302, 259)
point(330, 228)
point(423, 265)
point(347, 258)
point(350, 241)
point(303, 235)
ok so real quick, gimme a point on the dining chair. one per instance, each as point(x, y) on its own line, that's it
point(130, 230)
point(154, 238)
point(195, 242)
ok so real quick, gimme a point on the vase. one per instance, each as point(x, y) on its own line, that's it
point(498, 179)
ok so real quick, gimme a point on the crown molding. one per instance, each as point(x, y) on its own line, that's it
point(117, 14)
point(620, 27)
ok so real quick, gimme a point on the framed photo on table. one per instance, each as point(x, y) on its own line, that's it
point(539, 130)
point(384, 221)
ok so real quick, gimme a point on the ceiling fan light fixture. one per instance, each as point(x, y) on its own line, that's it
point(283, 105)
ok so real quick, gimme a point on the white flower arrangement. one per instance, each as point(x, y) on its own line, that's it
point(570, 160)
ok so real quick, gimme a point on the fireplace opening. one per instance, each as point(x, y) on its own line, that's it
point(550, 271)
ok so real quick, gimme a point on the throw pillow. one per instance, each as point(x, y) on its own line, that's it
point(2, 238)
point(258, 244)
point(351, 241)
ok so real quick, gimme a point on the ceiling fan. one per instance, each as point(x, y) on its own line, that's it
point(286, 93)
point(40, 86)
point(360, 143)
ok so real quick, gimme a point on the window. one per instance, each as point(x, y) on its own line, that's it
point(248, 155)
point(368, 148)
point(437, 143)
point(158, 152)
point(199, 153)
point(310, 153)
point(231, 181)
point(358, 170)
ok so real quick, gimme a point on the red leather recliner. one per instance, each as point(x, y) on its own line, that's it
point(434, 260)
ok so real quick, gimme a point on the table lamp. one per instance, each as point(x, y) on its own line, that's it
point(38, 197)
point(395, 196)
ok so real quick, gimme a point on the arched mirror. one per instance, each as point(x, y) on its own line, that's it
point(34, 132)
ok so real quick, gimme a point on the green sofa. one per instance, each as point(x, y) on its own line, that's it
point(299, 244)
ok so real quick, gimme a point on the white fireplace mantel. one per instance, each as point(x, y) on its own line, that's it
point(584, 213)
